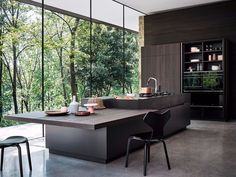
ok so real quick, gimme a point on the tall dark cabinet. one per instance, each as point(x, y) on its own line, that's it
point(204, 76)
point(164, 63)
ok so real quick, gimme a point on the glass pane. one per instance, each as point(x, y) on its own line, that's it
point(107, 50)
point(79, 7)
point(132, 19)
point(67, 57)
point(21, 55)
point(108, 11)
point(132, 51)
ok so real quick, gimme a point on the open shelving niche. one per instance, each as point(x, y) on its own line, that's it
point(204, 74)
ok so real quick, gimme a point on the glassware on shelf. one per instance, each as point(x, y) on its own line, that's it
point(210, 47)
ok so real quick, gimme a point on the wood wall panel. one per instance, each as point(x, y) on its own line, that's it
point(163, 63)
point(212, 21)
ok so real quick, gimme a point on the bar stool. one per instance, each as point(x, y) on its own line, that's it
point(156, 121)
point(16, 141)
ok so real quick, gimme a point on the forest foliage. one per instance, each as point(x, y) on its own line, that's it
point(71, 67)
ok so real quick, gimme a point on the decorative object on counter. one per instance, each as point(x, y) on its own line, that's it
point(199, 67)
point(146, 90)
point(194, 60)
point(82, 113)
point(220, 57)
point(64, 109)
point(215, 68)
point(91, 107)
point(131, 94)
point(56, 113)
point(210, 47)
point(194, 49)
point(73, 108)
point(214, 57)
point(98, 101)
point(209, 57)
point(190, 69)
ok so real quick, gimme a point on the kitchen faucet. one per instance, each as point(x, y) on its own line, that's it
point(155, 80)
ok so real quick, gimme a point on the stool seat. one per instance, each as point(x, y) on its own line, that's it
point(16, 141)
point(13, 141)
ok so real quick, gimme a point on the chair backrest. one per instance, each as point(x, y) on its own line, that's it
point(157, 121)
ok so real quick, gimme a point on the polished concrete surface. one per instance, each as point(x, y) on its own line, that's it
point(205, 149)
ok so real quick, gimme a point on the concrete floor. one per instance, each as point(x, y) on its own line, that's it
point(205, 149)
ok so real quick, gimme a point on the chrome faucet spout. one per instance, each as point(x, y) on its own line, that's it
point(155, 81)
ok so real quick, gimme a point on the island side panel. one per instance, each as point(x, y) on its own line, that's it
point(78, 143)
point(117, 137)
point(180, 119)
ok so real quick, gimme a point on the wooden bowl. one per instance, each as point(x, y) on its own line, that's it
point(82, 113)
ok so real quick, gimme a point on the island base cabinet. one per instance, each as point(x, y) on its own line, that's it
point(107, 143)
point(100, 145)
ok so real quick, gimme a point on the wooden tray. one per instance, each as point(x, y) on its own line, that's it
point(56, 113)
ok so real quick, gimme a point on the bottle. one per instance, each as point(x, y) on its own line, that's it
point(73, 108)
point(214, 57)
point(209, 57)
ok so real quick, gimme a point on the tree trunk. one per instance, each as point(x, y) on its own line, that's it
point(1, 73)
point(72, 58)
point(1, 62)
point(62, 75)
point(14, 95)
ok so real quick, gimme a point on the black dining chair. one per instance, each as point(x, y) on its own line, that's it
point(16, 141)
point(156, 121)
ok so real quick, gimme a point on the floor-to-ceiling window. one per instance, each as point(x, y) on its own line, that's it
point(91, 54)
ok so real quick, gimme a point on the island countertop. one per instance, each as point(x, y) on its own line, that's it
point(155, 102)
point(101, 118)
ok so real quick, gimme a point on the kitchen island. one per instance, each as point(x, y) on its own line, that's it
point(100, 137)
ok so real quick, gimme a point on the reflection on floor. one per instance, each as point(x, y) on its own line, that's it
point(205, 149)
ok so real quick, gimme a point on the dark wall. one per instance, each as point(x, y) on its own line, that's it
point(211, 21)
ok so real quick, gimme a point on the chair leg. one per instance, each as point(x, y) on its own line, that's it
point(145, 159)
point(28, 153)
point(20, 159)
point(148, 152)
point(166, 153)
point(2, 156)
point(127, 153)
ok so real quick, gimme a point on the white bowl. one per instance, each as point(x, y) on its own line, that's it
point(215, 67)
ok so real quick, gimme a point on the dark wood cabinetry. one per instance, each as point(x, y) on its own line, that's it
point(164, 63)
point(204, 75)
